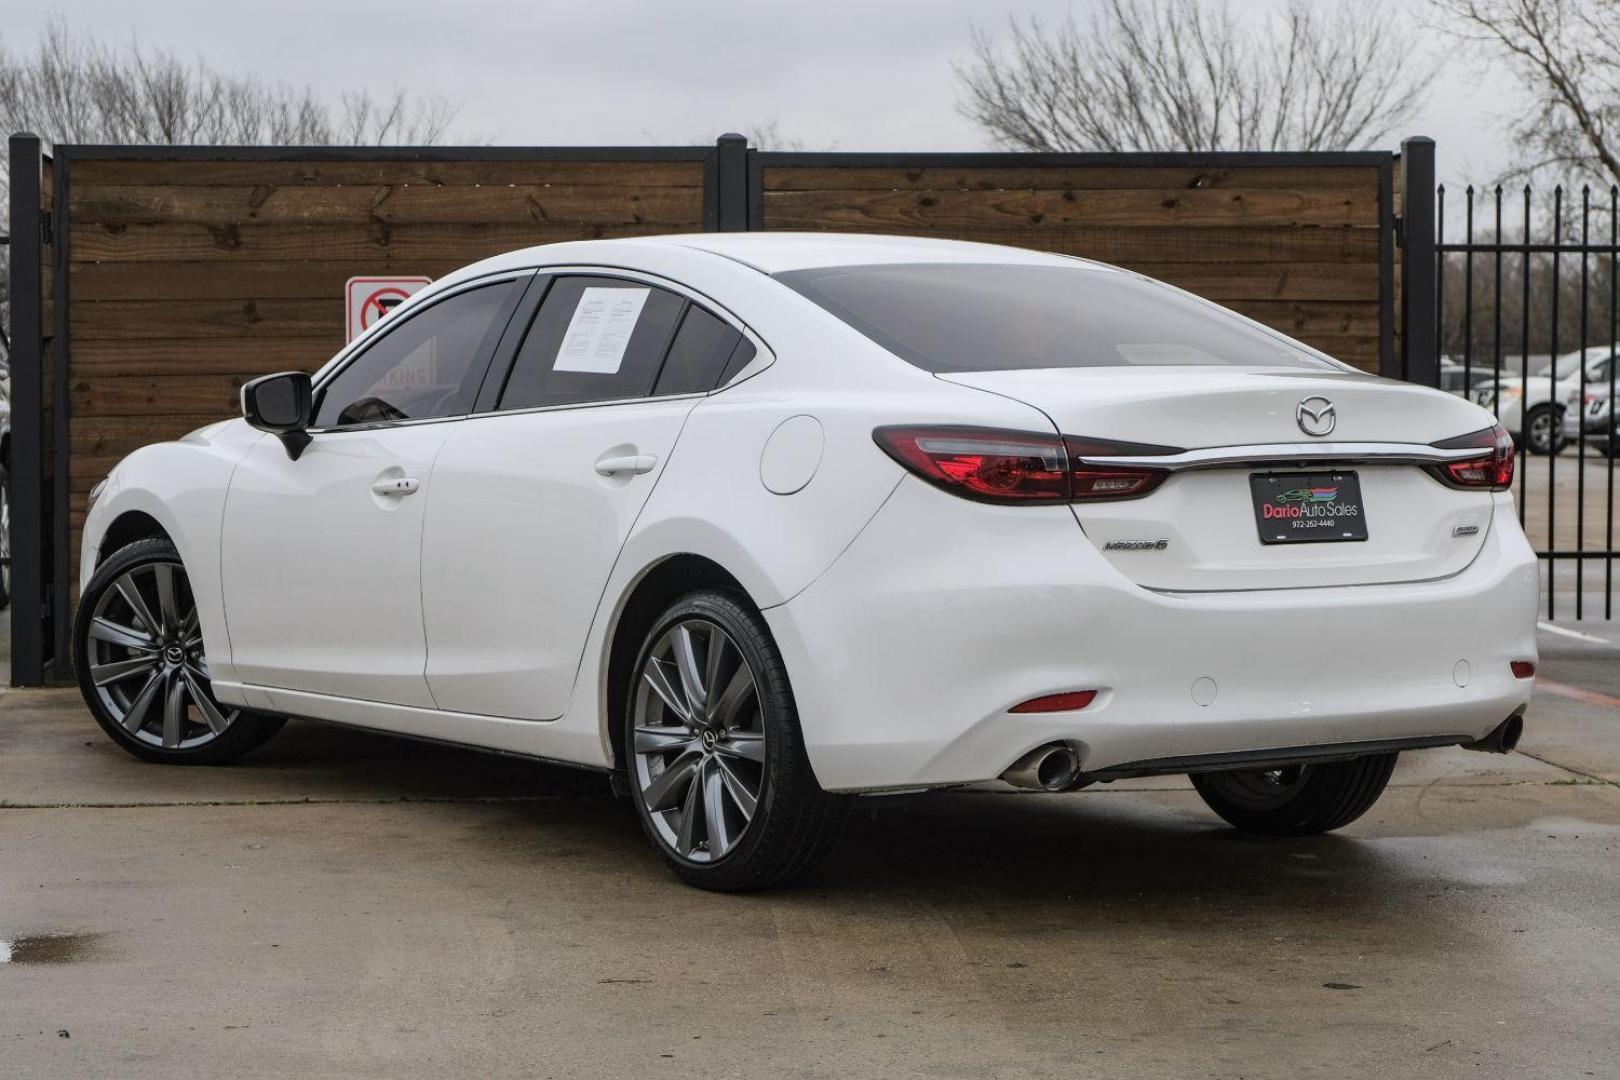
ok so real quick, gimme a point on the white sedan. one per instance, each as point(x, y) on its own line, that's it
point(759, 522)
point(1547, 410)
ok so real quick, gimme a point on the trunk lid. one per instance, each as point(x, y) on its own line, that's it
point(1416, 527)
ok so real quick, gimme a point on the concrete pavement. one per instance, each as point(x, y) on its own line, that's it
point(342, 904)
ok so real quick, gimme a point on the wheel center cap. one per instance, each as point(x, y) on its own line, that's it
point(174, 654)
point(709, 738)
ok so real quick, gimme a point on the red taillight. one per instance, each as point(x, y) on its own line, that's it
point(1093, 483)
point(1019, 467)
point(1491, 469)
point(1523, 669)
point(1070, 701)
point(983, 463)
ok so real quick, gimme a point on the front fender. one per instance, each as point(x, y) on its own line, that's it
point(182, 486)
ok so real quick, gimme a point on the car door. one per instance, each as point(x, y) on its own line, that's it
point(321, 557)
point(533, 500)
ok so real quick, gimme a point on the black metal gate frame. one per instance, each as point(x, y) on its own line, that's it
point(1557, 247)
point(733, 201)
point(30, 610)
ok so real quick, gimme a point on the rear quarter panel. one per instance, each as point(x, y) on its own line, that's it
point(712, 500)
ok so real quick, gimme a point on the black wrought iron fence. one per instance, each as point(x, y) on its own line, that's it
point(1528, 325)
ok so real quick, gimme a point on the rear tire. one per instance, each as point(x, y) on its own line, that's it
point(713, 753)
point(141, 666)
point(1298, 800)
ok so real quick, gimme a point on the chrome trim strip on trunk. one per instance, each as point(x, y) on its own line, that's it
point(1349, 453)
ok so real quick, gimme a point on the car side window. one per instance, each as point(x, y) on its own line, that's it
point(741, 357)
point(702, 346)
point(593, 339)
point(427, 367)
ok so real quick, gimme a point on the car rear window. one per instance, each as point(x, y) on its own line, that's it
point(948, 317)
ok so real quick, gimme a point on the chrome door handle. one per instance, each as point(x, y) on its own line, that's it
point(629, 463)
point(398, 485)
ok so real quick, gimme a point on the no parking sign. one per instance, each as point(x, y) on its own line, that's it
point(370, 298)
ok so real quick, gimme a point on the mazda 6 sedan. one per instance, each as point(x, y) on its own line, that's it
point(760, 523)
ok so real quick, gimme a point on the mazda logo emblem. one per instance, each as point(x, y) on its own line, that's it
point(1315, 416)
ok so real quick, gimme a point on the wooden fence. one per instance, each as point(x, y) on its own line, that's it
point(1295, 241)
point(180, 273)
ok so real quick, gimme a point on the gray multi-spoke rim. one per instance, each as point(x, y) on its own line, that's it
point(146, 659)
point(699, 740)
point(1543, 430)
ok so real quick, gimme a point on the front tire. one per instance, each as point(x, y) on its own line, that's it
point(1544, 430)
point(142, 669)
point(1297, 800)
point(715, 759)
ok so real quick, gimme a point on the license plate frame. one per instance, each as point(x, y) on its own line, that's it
point(1308, 508)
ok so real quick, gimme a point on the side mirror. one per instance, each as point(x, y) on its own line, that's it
point(281, 405)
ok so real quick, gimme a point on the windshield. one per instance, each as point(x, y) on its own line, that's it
point(1566, 365)
point(949, 317)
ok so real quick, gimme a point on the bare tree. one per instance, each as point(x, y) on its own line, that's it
point(767, 135)
point(72, 88)
point(1566, 56)
point(1189, 75)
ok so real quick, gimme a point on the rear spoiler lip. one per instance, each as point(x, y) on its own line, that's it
point(1315, 453)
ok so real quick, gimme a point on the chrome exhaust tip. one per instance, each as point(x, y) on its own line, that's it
point(1047, 768)
point(1502, 738)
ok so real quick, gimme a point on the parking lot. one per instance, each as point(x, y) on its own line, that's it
point(1552, 497)
point(343, 904)
point(1573, 483)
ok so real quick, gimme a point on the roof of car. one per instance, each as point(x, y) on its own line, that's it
point(776, 252)
point(767, 252)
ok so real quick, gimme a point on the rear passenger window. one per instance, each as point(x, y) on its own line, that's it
point(702, 347)
point(594, 339)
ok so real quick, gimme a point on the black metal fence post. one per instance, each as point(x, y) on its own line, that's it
point(27, 463)
point(1420, 354)
point(62, 564)
point(731, 179)
point(1389, 364)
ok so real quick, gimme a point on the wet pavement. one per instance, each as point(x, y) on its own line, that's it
point(342, 904)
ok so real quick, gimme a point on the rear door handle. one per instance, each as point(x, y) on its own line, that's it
point(396, 485)
point(628, 463)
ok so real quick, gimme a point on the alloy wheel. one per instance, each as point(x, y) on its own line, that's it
point(146, 659)
point(1544, 429)
point(699, 740)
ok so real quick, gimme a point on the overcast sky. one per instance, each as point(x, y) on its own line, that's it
point(837, 74)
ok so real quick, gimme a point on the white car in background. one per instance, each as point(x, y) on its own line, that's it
point(1543, 409)
point(1598, 419)
point(758, 522)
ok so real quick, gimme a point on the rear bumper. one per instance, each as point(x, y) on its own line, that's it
point(1598, 427)
point(907, 653)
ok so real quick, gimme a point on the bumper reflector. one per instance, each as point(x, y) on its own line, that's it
point(1523, 669)
point(1070, 701)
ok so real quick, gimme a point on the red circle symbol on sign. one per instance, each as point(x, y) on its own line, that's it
point(381, 303)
